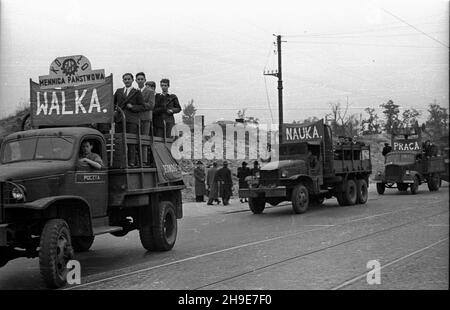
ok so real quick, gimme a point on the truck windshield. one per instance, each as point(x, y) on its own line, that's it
point(38, 148)
point(406, 158)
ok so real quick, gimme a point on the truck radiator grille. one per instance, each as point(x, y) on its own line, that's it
point(267, 178)
point(393, 171)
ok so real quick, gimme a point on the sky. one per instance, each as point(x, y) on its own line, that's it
point(214, 52)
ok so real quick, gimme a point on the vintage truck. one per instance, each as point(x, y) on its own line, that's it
point(52, 204)
point(408, 165)
point(311, 168)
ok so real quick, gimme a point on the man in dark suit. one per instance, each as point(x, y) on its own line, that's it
point(166, 105)
point(131, 102)
point(225, 182)
point(148, 95)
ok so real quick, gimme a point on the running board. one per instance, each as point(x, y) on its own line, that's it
point(106, 229)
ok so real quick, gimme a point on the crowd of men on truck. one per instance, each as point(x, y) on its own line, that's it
point(145, 109)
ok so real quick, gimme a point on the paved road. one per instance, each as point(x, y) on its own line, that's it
point(231, 248)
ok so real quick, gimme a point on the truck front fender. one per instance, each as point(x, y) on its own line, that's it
point(44, 203)
point(75, 210)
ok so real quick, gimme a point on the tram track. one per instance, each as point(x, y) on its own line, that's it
point(261, 268)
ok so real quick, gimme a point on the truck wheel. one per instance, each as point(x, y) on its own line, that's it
point(380, 188)
point(257, 205)
point(82, 243)
point(403, 187)
point(300, 199)
point(362, 191)
point(340, 199)
point(55, 251)
point(165, 230)
point(415, 186)
point(433, 182)
point(350, 192)
point(146, 234)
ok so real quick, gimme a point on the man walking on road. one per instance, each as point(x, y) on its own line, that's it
point(242, 173)
point(223, 178)
point(213, 189)
point(199, 175)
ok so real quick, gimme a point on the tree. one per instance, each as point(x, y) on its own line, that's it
point(189, 113)
point(390, 111)
point(437, 123)
point(371, 124)
point(409, 117)
point(341, 124)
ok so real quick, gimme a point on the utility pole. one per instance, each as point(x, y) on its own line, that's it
point(278, 74)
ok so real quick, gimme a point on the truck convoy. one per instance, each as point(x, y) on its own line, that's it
point(410, 163)
point(52, 204)
point(312, 168)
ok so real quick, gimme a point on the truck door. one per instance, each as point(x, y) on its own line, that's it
point(91, 182)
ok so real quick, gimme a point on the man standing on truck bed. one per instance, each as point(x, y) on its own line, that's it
point(131, 102)
point(166, 105)
point(148, 95)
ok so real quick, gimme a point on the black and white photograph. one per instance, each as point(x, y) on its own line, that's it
point(246, 147)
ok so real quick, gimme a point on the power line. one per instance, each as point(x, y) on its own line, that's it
point(415, 28)
point(362, 44)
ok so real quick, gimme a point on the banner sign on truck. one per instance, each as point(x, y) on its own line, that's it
point(406, 145)
point(71, 71)
point(83, 104)
point(293, 133)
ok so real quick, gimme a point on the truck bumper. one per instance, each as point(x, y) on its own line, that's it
point(279, 191)
point(407, 178)
point(3, 240)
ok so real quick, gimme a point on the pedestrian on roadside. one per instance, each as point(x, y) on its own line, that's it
point(213, 188)
point(242, 173)
point(223, 178)
point(255, 168)
point(199, 175)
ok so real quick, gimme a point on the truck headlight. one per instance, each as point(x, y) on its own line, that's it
point(17, 194)
point(284, 173)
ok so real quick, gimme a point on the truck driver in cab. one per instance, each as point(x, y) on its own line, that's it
point(87, 157)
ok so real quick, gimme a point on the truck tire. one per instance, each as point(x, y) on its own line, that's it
point(402, 187)
point(415, 186)
point(300, 199)
point(340, 199)
point(146, 234)
point(257, 205)
point(380, 188)
point(362, 191)
point(55, 251)
point(433, 182)
point(350, 193)
point(165, 230)
point(82, 243)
